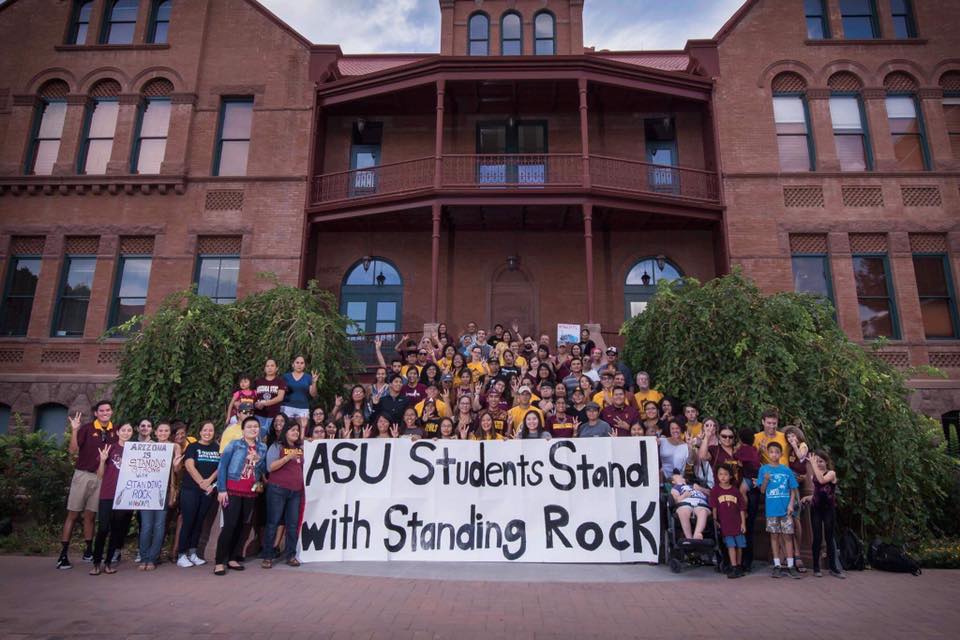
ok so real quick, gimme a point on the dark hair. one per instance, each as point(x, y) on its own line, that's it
point(396, 359)
point(243, 425)
point(776, 444)
point(770, 413)
point(728, 427)
point(745, 434)
point(272, 432)
point(820, 453)
point(651, 402)
point(726, 467)
point(524, 432)
point(292, 424)
point(395, 376)
point(618, 389)
point(690, 405)
point(244, 376)
point(100, 403)
point(676, 421)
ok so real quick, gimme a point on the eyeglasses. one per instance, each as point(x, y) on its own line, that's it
point(728, 436)
point(421, 353)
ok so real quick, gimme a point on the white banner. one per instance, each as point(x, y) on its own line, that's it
point(144, 476)
point(579, 500)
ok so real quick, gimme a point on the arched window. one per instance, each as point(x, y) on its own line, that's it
point(121, 22)
point(950, 83)
point(544, 34)
point(47, 128)
point(372, 296)
point(159, 21)
point(52, 420)
point(153, 120)
point(794, 142)
point(511, 34)
point(642, 280)
point(479, 35)
point(99, 128)
point(4, 418)
point(849, 120)
point(80, 22)
point(906, 122)
point(951, 432)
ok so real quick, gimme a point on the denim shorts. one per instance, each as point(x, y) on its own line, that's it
point(294, 412)
point(738, 541)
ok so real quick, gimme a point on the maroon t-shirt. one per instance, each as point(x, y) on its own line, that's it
point(728, 503)
point(627, 413)
point(89, 442)
point(290, 475)
point(268, 390)
point(745, 461)
point(416, 394)
point(111, 473)
point(560, 426)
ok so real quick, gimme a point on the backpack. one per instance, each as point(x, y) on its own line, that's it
point(851, 551)
point(892, 557)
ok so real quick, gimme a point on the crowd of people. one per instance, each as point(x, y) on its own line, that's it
point(476, 386)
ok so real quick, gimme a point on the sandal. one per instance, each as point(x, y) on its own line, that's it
point(293, 562)
point(108, 569)
point(95, 571)
point(150, 567)
point(238, 567)
point(266, 564)
point(143, 566)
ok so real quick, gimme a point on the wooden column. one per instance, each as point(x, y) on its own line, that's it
point(584, 132)
point(435, 264)
point(438, 148)
point(588, 250)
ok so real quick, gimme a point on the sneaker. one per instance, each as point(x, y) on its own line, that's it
point(817, 573)
point(183, 561)
point(116, 557)
point(87, 556)
point(195, 559)
point(777, 572)
point(63, 562)
point(793, 573)
point(137, 560)
point(739, 572)
point(838, 574)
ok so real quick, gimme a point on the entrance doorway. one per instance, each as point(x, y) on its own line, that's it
point(513, 297)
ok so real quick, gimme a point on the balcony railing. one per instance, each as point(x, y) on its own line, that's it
point(526, 172)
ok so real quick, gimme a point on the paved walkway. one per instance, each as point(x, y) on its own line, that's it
point(38, 601)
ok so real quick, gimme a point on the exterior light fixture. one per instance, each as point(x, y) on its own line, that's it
point(513, 263)
point(381, 279)
point(366, 263)
point(361, 125)
point(645, 279)
point(661, 262)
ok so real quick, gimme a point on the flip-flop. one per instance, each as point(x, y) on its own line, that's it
point(108, 569)
point(95, 571)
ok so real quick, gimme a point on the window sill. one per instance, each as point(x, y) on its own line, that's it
point(838, 42)
point(112, 47)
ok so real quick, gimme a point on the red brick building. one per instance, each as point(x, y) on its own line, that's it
point(516, 174)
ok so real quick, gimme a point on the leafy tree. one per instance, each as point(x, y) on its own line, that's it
point(185, 359)
point(737, 352)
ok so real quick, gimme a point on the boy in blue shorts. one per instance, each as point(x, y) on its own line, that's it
point(779, 487)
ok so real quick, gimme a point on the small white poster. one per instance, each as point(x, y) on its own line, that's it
point(568, 333)
point(144, 476)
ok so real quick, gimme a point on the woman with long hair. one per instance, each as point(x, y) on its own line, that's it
point(284, 493)
point(239, 472)
point(110, 522)
point(198, 493)
point(153, 524)
point(485, 428)
point(532, 427)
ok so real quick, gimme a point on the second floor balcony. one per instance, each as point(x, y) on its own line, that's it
point(516, 173)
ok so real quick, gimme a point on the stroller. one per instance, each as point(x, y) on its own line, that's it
point(679, 550)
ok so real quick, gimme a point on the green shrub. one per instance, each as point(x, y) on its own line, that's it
point(737, 352)
point(35, 475)
point(184, 361)
point(940, 554)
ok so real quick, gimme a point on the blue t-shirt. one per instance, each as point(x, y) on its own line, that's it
point(781, 482)
point(298, 392)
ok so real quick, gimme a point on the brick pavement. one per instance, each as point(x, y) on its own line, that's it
point(38, 601)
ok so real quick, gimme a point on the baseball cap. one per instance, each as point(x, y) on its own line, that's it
point(612, 350)
point(524, 389)
point(592, 405)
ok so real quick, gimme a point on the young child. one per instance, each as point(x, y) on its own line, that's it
point(779, 487)
point(244, 395)
point(691, 500)
point(730, 512)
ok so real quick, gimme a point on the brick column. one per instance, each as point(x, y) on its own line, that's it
point(874, 104)
point(884, 19)
point(844, 285)
point(178, 133)
point(13, 154)
point(66, 163)
point(96, 22)
point(101, 294)
point(935, 125)
point(45, 298)
point(821, 125)
point(142, 26)
point(904, 284)
point(123, 135)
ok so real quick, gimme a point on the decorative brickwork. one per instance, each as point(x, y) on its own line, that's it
point(899, 82)
point(224, 200)
point(898, 359)
point(136, 245)
point(868, 242)
point(218, 245)
point(844, 82)
point(803, 197)
point(11, 356)
point(59, 357)
point(105, 89)
point(862, 196)
point(108, 356)
point(945, 359)
point(159, 88)
point(82, 245)
point(921, 197)
point(808, 243)
point(788, 82)
point(950, 81)
point(27, 245)
point(54, 89)
point(928, 243)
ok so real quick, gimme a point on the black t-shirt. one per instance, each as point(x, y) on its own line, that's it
point(393, 408)
point(205, 457)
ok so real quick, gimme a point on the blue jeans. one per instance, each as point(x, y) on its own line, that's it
point(282, 504)
point(153, 525)
point(194, 505)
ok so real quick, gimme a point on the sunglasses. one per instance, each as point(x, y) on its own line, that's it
point(728, 436)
